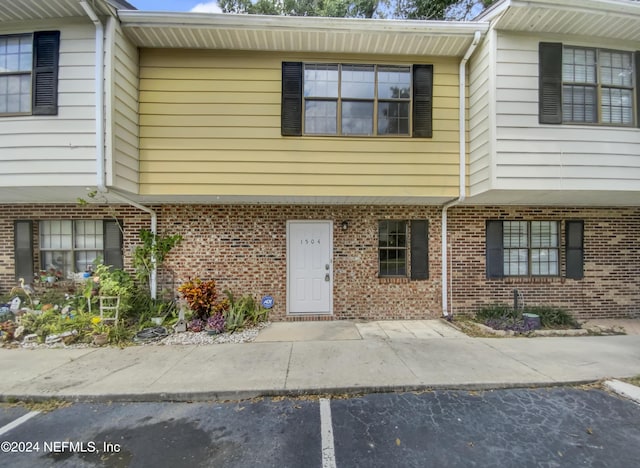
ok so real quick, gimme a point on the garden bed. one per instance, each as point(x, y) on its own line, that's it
point(500, 320)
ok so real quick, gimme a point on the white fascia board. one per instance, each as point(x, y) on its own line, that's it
point(621, 7)
point(145, 19)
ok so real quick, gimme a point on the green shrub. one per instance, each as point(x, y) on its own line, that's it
point(496, 311)
point(242, 311)
point(202, 298)
point(552, 317)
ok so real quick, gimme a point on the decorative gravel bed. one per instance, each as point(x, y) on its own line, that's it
point(187, 338)
point(203, 338)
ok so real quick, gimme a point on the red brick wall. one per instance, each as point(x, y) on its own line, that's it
point(243, 248)
point(611, 284)
point(132, 220)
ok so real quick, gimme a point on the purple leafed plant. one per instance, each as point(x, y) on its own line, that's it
point(509, 324)
point(216, 322)
point(196, 325)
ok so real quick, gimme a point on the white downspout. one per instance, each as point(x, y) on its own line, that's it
point(99, 90)
point(463, 165)
point(100, 139)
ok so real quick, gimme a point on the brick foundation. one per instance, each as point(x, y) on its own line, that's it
point(244, 249)
point(611, 284)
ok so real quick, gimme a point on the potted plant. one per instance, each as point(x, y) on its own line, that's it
point(50, 276)
point(100, 331)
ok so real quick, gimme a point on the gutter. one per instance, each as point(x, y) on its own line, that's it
point(165, 19)
point(100, 138)
point(463, 166)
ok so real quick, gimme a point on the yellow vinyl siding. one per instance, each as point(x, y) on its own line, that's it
point(210, 125)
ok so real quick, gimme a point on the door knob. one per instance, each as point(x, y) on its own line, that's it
point(327, 278)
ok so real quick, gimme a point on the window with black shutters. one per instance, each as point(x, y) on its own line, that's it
point(356, 99)
point(74, 245)
point(399, 242)
point(29, 73)
point(587, 85)
point(532, 249)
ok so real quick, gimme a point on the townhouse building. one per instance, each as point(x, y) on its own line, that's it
point(347, 168)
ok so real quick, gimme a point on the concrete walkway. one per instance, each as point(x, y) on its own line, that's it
point(316, 357)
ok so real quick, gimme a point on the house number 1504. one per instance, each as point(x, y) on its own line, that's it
point(309, 241)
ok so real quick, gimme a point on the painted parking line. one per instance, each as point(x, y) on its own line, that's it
point(326, 429)
point(13, 424)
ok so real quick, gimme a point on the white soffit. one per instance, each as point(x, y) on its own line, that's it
point(298, 34)
point(15, 11)
point(611, 19)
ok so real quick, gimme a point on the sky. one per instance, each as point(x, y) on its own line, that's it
point(176, 5)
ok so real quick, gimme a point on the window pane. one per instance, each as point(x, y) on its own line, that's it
point(320, 117)
point(392, 242)
point(357, 118)
point(15, 89)
point(515, 234)
point(85, 259)
point(392, 234)
point(55, 235)
point(15, 93)
point(59, 260)
point(357, 81)
point(394, 83)
point(88, 235)
point(578, 65)
point(544, 234)
point(321, 80)
point(579, 104)
point(516, 262)
point(393, 118)
point(393, 262)
point(544, 262)
point(617, 106)
point(616, 68)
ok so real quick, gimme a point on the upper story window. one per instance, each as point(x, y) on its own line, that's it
point(15, 73)
point(597, 86)
point(29, 73)
point(357, 99)
point(588, 85)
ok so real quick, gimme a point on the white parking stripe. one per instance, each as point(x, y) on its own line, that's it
point(326, 429)
point(17, 422)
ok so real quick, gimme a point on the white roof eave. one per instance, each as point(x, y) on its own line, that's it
point(521, 15)
point(154, 25)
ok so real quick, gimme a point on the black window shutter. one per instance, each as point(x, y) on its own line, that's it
point(23, 249)
point(495, 265)
point(550, 83)
point(574, 243)
point(113, 244)
point(419, 249)
point(637, 72)
point(422, 101)
point(46, 46)
point(291, 114)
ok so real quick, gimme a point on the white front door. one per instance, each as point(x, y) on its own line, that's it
point(310, 267)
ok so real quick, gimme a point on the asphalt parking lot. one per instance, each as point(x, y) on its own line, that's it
point(518, 427)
